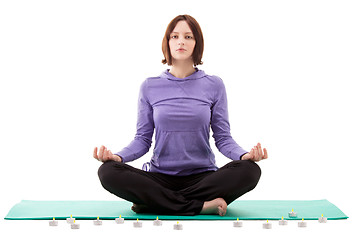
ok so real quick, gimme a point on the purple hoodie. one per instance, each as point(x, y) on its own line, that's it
point(182, 110)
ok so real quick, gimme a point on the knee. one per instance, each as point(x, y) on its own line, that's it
point(250, 172)
point(106, 173)
point(254, 172)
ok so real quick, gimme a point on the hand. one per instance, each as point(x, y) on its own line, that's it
point(105, 155)
point(256, 154)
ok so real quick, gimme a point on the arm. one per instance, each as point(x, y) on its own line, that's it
point(221, 128)
point(220, 125)
point(143, 138)
point(145, 129)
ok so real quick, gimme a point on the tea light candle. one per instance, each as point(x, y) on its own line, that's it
point(322, 219)
point(53, 222)
point(283, 222)
point(97, 222)
point(75, 225)
point(178, 226)
point(137, 224)
point(237, 223)
point(119, 220)
point(292, 214)
point(302, 223)
point(267, 225)
point(157, 222)
point(70, 219)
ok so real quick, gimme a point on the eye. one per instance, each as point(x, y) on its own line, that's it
point(173, 36)
point(189, 37)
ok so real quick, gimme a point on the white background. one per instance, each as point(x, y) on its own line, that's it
point(70, 74)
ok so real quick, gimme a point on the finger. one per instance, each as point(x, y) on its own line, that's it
point(108, 155)
point(104, 158)
point(259, 151)
point(95, 154)
point(265, 154)
point(261, 154)
point(252, 154)
point(101, 153)
point(255, 153)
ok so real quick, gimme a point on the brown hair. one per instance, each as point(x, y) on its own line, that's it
point(196, 30)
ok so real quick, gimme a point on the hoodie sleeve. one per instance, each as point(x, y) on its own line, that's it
point(220, 125)
point(145, 129)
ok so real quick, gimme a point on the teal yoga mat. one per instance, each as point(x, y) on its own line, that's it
point(243, 209)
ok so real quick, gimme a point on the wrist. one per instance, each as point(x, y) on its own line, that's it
point(244, 156)
point(117, 158)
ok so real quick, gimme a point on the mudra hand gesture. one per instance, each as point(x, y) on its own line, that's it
point(105, 155)
point(256, 154)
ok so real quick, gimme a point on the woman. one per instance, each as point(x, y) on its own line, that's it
point(181, 105)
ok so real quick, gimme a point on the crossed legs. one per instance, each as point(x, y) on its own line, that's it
point(205, 193)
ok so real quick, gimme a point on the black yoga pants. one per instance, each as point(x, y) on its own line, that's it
point(179, 195)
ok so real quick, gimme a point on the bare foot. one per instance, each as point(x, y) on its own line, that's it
point(139, 208)
point(216, 206)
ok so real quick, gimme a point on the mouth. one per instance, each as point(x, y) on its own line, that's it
point(181, 49)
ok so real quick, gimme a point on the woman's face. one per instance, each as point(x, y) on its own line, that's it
point(181, 42)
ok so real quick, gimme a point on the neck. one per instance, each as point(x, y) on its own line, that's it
point(182, 69)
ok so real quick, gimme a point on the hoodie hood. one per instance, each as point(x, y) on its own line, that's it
point(195, 75)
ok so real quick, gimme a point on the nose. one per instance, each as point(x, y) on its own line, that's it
point(181, 41)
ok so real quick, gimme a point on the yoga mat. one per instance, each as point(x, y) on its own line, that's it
point(242, 209)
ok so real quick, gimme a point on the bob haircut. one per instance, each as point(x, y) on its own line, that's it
point(199, 40)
